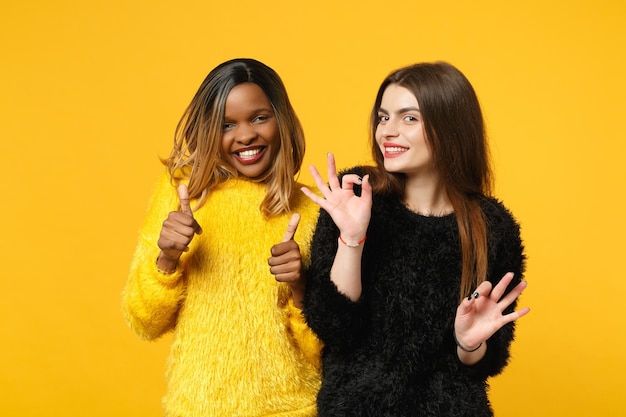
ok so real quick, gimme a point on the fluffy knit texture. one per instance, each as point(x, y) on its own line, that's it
point(240, 346)
point(392, 352)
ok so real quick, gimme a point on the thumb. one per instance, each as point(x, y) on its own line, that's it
point(183, 195)
point(291, 227)
point(185, 208)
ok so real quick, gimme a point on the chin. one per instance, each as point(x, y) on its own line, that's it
point(389, 167)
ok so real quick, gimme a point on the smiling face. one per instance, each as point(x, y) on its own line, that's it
point(250, 139)
point(400, 133)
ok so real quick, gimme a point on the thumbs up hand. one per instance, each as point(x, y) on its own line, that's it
point(286, 261)
point(176, 233)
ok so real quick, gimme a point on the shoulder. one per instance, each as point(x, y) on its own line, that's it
point(501, 222)
point(164, 191)
point(496, 211)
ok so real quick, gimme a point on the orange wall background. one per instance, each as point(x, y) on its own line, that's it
point(90, 93)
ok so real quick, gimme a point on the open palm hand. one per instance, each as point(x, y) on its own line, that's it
point(481, 315)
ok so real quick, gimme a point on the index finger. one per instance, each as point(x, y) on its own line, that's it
point(500, 288)
point(291, 227)
point(183, 195)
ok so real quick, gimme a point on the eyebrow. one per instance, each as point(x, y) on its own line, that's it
point(264, 109)
point(402, 110)
point(257, 111)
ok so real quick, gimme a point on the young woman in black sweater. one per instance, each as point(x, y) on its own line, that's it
point(416, 268)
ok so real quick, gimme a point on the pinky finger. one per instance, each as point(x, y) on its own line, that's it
point(314, 197)
point(516, 315)
point(322, 202)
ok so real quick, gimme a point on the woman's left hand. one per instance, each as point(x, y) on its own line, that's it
point(286, 261)
point(480, 315)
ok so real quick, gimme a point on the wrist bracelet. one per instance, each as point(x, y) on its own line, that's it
point(353, 245)
point(462, 348)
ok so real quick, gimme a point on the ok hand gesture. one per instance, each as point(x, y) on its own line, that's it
point(350, 212)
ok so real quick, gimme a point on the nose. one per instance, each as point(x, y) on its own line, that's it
point(246, 134)
point(388, 128)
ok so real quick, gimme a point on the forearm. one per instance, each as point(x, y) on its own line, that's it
point(337, 319)
point(305, 338)
point(297, 293)
point(151, 298)
point(346, 270)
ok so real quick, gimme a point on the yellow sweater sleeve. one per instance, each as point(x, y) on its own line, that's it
point(151, 299)
point(306, 340)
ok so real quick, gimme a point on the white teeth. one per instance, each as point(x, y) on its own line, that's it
point(249, 154)
point(395, 149)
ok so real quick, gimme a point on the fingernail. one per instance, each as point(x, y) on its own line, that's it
point(476, 294)
point(360, 179)
point(469, 297)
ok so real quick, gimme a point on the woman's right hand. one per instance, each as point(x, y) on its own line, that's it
point(350, 212)
point(176, 233)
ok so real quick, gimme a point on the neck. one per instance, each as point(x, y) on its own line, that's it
point(426, 197)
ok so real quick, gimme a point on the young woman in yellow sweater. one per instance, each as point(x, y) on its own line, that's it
point(221, 255)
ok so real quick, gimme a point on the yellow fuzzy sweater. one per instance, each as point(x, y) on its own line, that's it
point(240, 348)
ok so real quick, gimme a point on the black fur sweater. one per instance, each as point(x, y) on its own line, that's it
point(392, 353)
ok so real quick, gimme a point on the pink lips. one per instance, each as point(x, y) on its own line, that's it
point(249, 156)
point(393, 150)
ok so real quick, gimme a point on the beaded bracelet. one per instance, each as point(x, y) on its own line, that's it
point(462, 348)
point(352, 245)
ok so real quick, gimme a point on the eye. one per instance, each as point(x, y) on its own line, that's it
point(261, 118)
point(409, 118)
point(228, 126)
point(382, 118)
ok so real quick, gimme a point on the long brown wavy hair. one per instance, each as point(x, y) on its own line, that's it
point(455, 132)
point(196, 155)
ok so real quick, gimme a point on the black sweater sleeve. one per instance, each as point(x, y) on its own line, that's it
point(337, 320)
point(506, 254)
